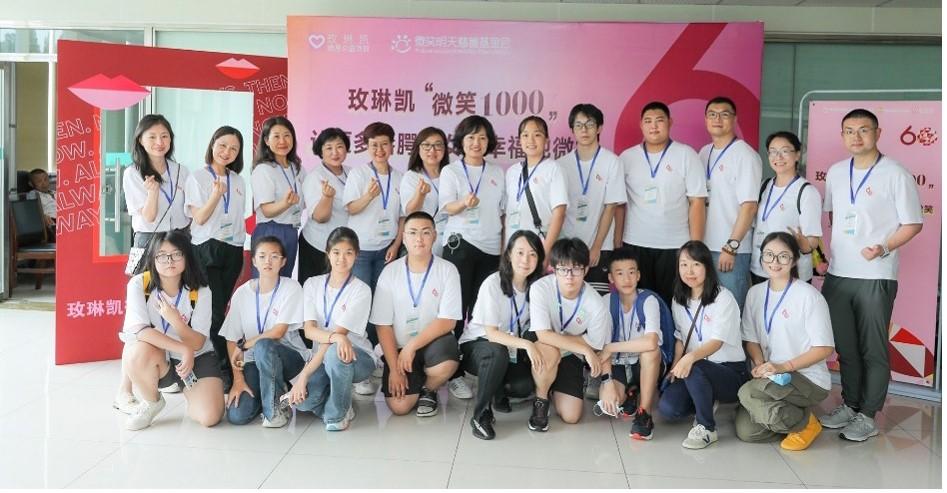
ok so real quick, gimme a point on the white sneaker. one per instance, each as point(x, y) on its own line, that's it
point(144, 414)
point(174, 388)
point(344, 424)
point(280, 418)
point(126, 402)
point(699, 437)
point(459, 388)
point(365, 387)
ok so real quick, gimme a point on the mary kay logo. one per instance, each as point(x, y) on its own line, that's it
point(317, 41)
point(786, 314)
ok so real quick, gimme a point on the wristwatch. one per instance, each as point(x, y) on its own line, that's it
point(241, 344)
point(884, 247)
point(731, 246)
point(605, 377)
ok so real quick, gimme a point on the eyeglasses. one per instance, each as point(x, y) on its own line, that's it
point(588, 125)
point(575, 271)
point(784, 153)
point(272, 258)
point(863, 131)
point(167, 258)
point(426, 233)
point(436, 146)
point(781, 259)
point(723, 115)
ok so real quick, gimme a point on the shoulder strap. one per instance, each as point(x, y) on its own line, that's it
point(799, 197)
point(693, 325)
point(145, 281)
point(532, 203)
point(192, 295)
point(763, 189)
point(639, 305)
point(614, 307)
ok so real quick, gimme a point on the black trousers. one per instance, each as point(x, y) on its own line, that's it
point(658, 270)
point(496, 375)
point(473, 266)
point(222, 264)
point(312, 261)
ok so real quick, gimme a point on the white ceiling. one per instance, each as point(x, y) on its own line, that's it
point(771, 3)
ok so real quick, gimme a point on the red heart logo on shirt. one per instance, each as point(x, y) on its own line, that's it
point(435, 293)
point(785, 313)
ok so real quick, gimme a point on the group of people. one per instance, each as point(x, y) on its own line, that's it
point(595, 274)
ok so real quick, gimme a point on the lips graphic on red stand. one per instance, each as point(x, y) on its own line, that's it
point(237, 69)
point(109, 94)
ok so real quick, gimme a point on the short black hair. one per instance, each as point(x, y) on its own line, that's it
point(790, 137)
point(328, 134)
point(860, 113)
point(589, 110)
point(569, 250)
point(37, 171)
point(622, 254)
point(418, 214)
point(414, 161)
point(267, 239)
point(538, 120)
point(237, 164)
point(339, 235)
point(698, 251)
point(722, 100)
point(379, 129)
point(791, 243)
point(656, 105)
point(470, 125)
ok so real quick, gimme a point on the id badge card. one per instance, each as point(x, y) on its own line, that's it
point(413, 322)
point(226, 232)
point(383, 227)
point(651, 195)
point(512, 353)
point(850, 226)
point(296, 215)
point(758, 237)
point(582, 209)
point(513, 219)
point(472, 214)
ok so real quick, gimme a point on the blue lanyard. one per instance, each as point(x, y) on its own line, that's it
point(170, 197)
point(292, 170)
point(578, 303)
point(260, 325)
point(710, 169)
point(515, 314)
point(699, 327)
point(437, 190)
point(521, 187)
point(483, 171)
point(851, 177)
point(326, 310)
point(337, 177)
point(583, 182)
point(768, 321)
point(654, 170)
point(164, 323)
point(416, 299)
point(386, 193)
point(767, 210)
point(227, 196)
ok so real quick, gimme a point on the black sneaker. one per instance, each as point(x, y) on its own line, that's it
point(502, 404)
point(539, 421)
point(642, 428)
point(427, 403)
point(483, 426)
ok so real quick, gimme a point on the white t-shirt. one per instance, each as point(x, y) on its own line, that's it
point(139, 315)
point(658, 208)
point(376, 225)
point(800, 322)
point(409, 184)
point(287, 308)
point(887, 200)
point(172, 187)
point(480, 226)
point(271, 182)
point(631, 327)
point(605, 186)
point(734, 179)
point(719, 320)
point(47, 200)
point(591, 320)
point(495, 309)
point(548, 186)
point(225, 222)
point(439, 297)
point(348, 310)
point(778, 206)
point(314, 232)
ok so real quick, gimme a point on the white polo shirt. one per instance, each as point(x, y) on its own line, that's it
point(605, 185)
point(249, 316)
point(393, 304)
point(591, 319)
point(171, 188)
point(315, 233)
point(631, 328)
point(480, 226)
point(778, 211)
point(140, 315)
point(887, 200)
point(409, 185)
point(548, 187)
point(657, 215)
point(271, 182)
point(226, 222)
point(719, 320)
point(735, 176)
point(495, 309)
point(377, 224)
point(348, 309)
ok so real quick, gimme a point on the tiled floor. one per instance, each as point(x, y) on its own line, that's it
point(57, 429)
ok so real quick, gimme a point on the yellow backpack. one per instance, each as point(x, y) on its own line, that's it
point(146, 280)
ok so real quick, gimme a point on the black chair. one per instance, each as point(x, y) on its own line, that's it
point(29, 241)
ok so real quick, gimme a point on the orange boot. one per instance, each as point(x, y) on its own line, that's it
point(803, 438)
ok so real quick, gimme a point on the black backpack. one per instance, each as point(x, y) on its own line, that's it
point(767, 181)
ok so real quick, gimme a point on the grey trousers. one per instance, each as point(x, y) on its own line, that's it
point(768, 409)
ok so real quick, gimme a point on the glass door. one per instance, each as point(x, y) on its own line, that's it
point(116, 131)
point(5, 137)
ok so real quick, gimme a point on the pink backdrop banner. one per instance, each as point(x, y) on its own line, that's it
point(910, 133)
point(413, 73)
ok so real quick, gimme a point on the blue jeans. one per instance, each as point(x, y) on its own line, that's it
point(329, 389)
point(738, 279)
point(707, 382)
point(268, 377)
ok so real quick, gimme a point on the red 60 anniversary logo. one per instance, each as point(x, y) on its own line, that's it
point(926, 136)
